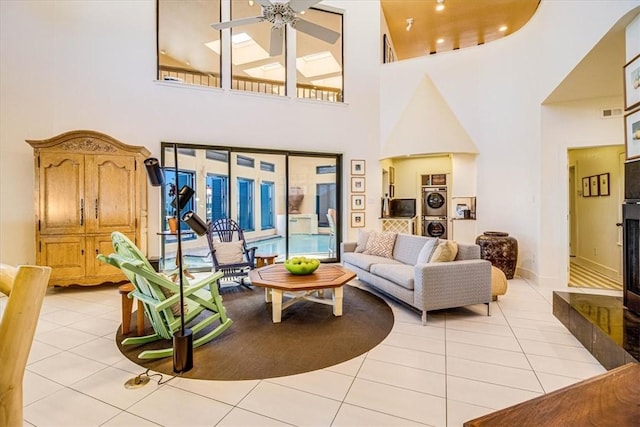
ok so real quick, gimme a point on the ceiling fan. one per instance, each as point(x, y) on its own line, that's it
point(281, 13)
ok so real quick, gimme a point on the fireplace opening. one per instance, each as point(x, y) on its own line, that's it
point(631, 261)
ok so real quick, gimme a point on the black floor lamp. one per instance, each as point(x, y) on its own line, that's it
point(183, 340)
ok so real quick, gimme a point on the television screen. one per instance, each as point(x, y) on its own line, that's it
point(405, 208)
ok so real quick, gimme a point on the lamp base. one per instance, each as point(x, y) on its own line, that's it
point(183, 351)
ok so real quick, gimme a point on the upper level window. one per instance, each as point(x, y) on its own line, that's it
point(319, 63)
point(267, 166)
point(184, 39)
point(256, 65)
point(245, 161)
point(320, 170)
point(190, 50)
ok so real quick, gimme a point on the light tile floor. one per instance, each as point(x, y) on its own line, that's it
point(463, 364)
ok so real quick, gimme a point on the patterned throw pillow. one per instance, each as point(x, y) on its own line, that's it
point(381, 244)
point(168, 293)
point(228, 252)
point(445, 252)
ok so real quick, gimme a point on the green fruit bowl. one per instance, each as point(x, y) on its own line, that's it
point(301, 266)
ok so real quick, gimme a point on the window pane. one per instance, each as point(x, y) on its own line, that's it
point(188, 48)
point(217, 197)
point(318, 63)
point(245, 204)
point(267, 205)
point(253, 69)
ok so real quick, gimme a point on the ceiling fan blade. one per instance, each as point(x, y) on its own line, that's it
point(237, 22)
point(277, 37)
point(316, 30)
point(300, 5)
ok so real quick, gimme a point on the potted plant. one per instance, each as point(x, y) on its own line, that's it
point(172, 219)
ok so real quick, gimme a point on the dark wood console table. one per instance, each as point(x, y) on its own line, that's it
point(609, 399)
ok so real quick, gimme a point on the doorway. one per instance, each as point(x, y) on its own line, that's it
point(594, 175)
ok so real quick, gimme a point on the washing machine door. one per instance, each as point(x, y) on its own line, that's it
point(436, 229)
point(434, 202)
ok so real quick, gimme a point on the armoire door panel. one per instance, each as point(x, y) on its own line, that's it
point(112, 193)
point(62, 205)
point(101, 244)
point(65, 255)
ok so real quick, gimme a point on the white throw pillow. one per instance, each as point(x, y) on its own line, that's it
point(361, 244)
point(427, 250)
point(228, 252)
point(381, 244)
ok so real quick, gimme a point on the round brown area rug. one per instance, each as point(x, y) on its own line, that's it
point(309, 337)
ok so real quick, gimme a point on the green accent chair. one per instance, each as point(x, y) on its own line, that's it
point(161, 299)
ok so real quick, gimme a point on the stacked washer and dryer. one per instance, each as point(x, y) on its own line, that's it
point(434, 211)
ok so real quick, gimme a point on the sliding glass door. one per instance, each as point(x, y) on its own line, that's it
point(280, 199)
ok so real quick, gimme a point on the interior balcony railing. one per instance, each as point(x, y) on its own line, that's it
point(199, 78)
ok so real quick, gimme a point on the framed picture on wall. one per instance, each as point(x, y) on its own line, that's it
point(357, 202)
point(586, 187)
point(357, 219)
point(357, 167)
point(357, 185)
point(595, 185)
point(632, 134)
point(632, 83)
point(604, 184)
point(392, 175)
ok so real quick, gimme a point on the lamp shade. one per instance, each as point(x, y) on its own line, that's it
point(154, 172)
point(184, 195)
point(194, 222)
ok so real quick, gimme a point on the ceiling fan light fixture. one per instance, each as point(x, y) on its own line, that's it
point(409, 24)
point(439, 5)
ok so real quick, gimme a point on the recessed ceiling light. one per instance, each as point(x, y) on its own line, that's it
point(439, 5)
point(409, 24)
point(503, 28)
point(440, 41)
point(163, 52)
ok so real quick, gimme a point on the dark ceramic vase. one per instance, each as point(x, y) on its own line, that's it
point(500, 249)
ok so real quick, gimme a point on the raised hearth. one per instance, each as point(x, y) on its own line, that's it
point(601, 323)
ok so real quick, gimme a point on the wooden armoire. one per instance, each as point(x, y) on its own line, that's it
point(87, 185)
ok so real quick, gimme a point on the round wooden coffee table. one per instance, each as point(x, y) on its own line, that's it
point(279, 283)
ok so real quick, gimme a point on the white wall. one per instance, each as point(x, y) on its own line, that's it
point(91, 65)
point(496, 91)
point(569, 125)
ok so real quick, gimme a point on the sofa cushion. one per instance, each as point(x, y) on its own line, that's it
point(446, 251)
point(381, 244)
point(366, 261)
point(401, 274)
point(427, 250)
point(361, 243)
point(467, 251)
point(408, 247)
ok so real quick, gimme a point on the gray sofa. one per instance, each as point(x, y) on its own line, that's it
point(425, 286)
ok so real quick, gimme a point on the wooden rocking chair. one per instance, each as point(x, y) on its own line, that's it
point(161, 299)
point(229, 250)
